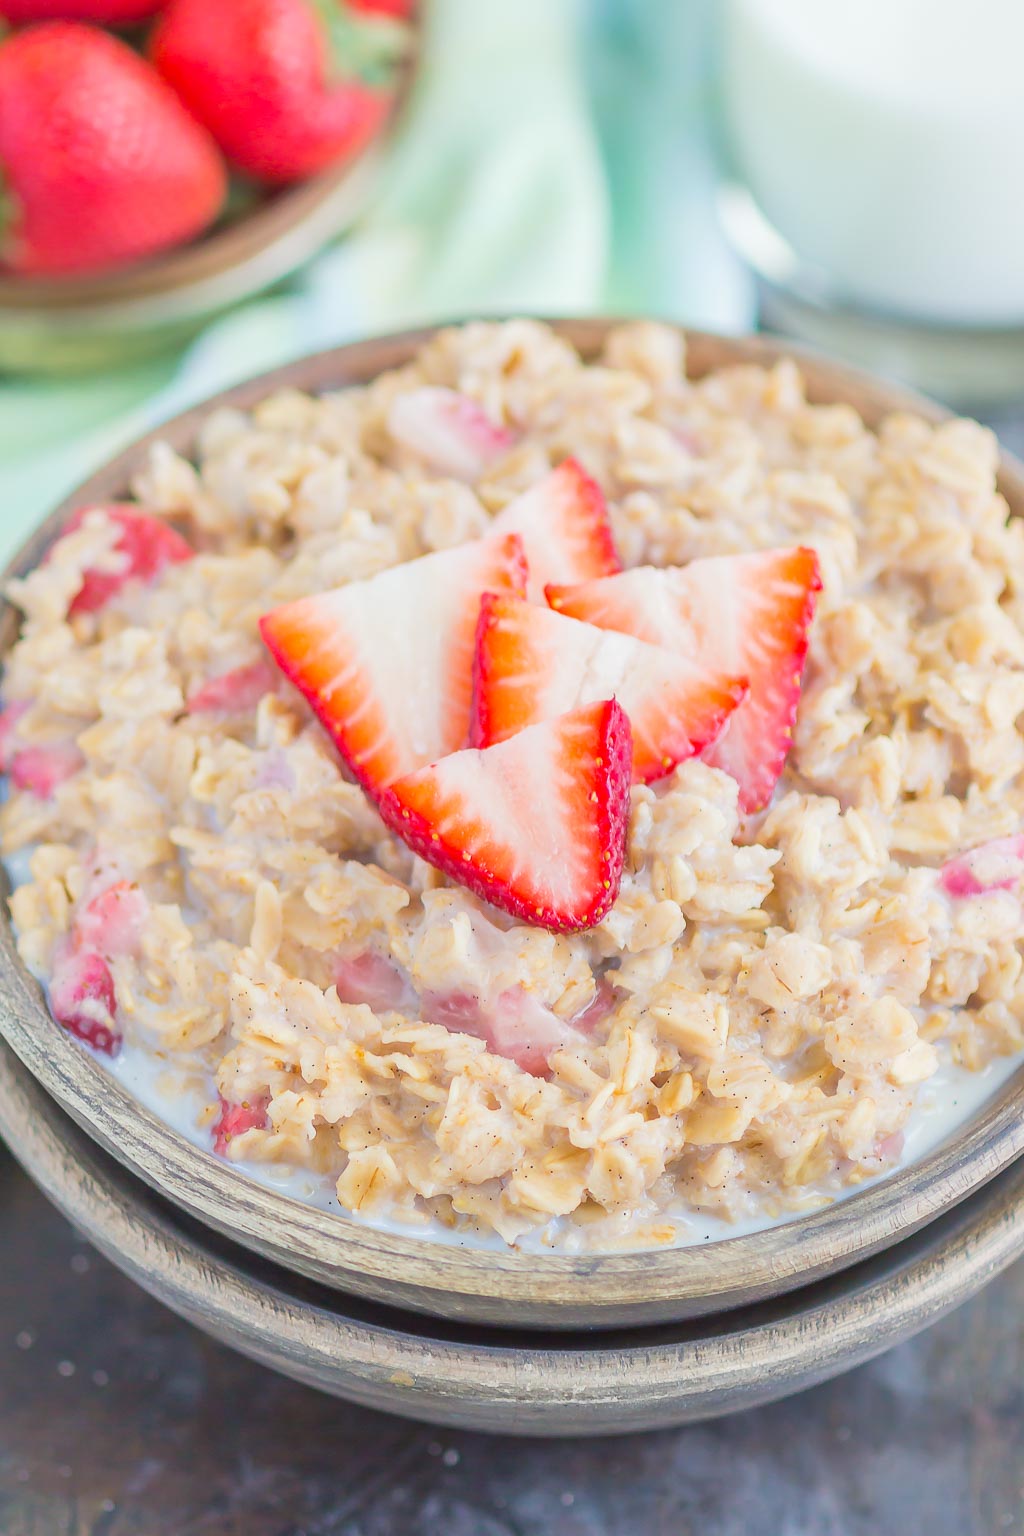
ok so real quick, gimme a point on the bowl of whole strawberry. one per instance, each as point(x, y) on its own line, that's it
point(162, 160)
point(521, 820)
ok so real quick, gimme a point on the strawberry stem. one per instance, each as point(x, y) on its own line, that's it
point(366, 48)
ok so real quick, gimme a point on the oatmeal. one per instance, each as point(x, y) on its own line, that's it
point(751, 1026)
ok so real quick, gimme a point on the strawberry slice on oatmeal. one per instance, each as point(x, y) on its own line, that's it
point(532, 664)
point(387, 664)
point(563, 523)
point(748, 614)
point(536, 825)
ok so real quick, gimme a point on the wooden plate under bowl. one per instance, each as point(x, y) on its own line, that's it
point(466, 1284)
point(510, 1381)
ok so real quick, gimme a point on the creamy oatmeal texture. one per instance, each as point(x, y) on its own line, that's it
point(767, 995)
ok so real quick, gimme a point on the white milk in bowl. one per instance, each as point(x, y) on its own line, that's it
point(884, 140)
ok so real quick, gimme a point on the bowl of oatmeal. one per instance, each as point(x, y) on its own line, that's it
point(523, 821)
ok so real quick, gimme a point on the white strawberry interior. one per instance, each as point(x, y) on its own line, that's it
point(540, 517)
point(577, 663)
point(721, 612)
point(731, 608)
point(523, 797)
point(408, 633)
point(643, 599)
point(448, 431)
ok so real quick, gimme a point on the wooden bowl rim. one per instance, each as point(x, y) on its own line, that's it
point(518, 1382)
point(545, 1289)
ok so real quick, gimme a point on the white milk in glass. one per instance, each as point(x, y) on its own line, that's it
point(884, 140)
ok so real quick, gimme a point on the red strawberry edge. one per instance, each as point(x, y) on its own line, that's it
point(590, 496)
point(148, 542)
point(479, 719)
point(611, 813)
point(83, 1001)
point(235, 1119)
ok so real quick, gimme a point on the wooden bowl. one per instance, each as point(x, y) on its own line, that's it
point(510, 1381)
point(76, 324)
point(549, 1291)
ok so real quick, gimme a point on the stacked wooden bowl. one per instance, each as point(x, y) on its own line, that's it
point(539, 1344)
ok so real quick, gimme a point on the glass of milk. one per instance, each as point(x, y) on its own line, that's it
point(877, 148)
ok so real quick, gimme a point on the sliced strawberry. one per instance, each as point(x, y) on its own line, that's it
point(748, 615)
point(9, 719)
point(448, 431)
point(536, 824)
point(82, 999)
point(997, 865)
point(235, 1119)
point(40, 769)
point(387, 664)
point(146, 544)
point(232, 692)
point(563, 523)
point(532, 664)
point(515, 1025)
point(111, 923)
point(371, 978)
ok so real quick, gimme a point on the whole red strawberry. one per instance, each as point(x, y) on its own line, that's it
point(273, 80)
point(110, 13)
point(100, 164)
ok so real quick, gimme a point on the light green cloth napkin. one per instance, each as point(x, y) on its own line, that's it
point(553, 160)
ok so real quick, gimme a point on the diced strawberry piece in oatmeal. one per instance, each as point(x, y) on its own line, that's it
point(994, 866)
point(83, 1001)
point(275, 771)
point(112, 922)
point(448, 431)
point(373, 979)
point(41, 769)
point(233, 692)
point(9, 718)
point(597, 1010)
point(146, 545)
point(236, 1119)
point(514, 1025)
point(890, 1148)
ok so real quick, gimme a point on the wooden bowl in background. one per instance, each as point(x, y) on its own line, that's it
point(463, 1283)
point(70, 325)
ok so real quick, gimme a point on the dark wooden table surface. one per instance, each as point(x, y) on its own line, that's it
point(116, 1419)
